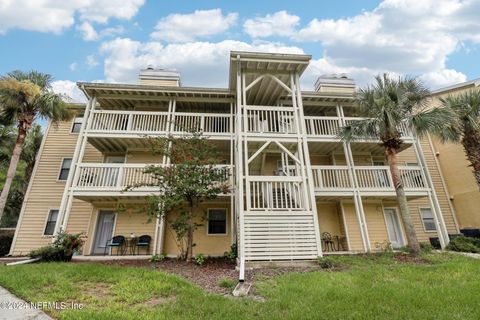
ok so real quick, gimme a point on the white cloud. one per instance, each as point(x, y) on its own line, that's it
point(88, 32)
point(280, 23)
point(73, 66)
point(188, 27)
point(91, 61)
point(443, 78)
point(200, 63)
point(56, 16)
point(399, 36)
point(70, 89)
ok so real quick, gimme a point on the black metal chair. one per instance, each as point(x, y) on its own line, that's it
point(144, 242)
point(116, 242)
point(328, 242)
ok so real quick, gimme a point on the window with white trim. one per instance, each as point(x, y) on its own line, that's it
point(77, 124)
point(65, 169)
point(217, 221)
point(51, 222)
point(427, 219)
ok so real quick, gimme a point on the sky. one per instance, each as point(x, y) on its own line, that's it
point(111, 40)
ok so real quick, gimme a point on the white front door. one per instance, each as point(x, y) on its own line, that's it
point(393, 228)
point(111, 174)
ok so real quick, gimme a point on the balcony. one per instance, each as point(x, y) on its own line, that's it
point(372, 180)
point(139, 123)
point(111, 179)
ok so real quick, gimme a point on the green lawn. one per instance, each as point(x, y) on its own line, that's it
point(366, 288)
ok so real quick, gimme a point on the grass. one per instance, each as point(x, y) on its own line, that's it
point(365, 288)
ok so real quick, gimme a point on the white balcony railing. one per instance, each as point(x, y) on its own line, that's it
point(369, 178)
point(322, 126)
point(118, 176)
point(142, 122)
point(331, 178)
point(276, 193)
point(205, 122)
point(262, 119)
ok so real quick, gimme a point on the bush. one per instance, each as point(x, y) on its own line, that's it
point(62, 249)
point(326, 263)
point(227, 283)
point(426, 247)
point(157, 258)
point(5, 243)
point(232, 254)
point(199, 259)
point(464, 244)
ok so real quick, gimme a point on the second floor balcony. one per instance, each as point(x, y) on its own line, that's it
point(370, 180)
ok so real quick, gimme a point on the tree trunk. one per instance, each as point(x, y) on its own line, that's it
point(17, 150)
point(402, 202)
point(189, 254)
point(471, 144)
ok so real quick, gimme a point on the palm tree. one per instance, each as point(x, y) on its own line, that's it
point(387, 106)
point(25, 97)
point(466, 107)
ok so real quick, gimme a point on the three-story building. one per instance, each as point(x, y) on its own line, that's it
point(298, 191)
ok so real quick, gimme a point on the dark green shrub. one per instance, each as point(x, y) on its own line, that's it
point(425, 247)
point(5, 243)
point(326, 263)
point(157, 258)
point(232, 254)
point(464, 244)
point(199, 259)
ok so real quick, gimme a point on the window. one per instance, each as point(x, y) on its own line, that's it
point(65, 169)
point(427, 218)
point(217, 221)
point(51, 222)
point(77, 124)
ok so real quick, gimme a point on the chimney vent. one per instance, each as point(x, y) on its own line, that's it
point(159, 77)
point(335, 83)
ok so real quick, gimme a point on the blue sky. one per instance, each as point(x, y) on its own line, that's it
point(109, 40)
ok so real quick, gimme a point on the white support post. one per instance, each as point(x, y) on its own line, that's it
point(239, 169)
point(302, 135)
point(432, 196)
point(233, 214)
point(67, 197)
point(358, 203)
point(160, 220)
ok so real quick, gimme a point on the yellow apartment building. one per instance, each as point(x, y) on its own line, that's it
point(457, 176)
point(298, 192)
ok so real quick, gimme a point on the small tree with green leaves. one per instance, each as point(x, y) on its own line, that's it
point(387, 106)
point(192, 178)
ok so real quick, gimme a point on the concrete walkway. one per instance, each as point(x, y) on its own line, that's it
point(13, 308)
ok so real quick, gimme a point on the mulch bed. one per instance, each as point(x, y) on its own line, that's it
point(407, 258)
point(209, 274)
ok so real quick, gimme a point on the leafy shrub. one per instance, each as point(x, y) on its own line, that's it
point(326, 263)
point(425, 247)
point(157, 258)
point(464, 244)
point(62, 249)
point(5, 243)
point(227, 283)
point(232, 254)
point(199, 259)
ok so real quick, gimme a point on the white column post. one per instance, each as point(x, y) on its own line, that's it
point(160, 221)
point(67, 197)
point(432, 196)
point(239, 169)
point(302, 135)
point(356, 192)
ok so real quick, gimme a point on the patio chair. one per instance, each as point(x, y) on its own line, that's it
point(144, 242)
point(328, 242)
point(116, 242)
